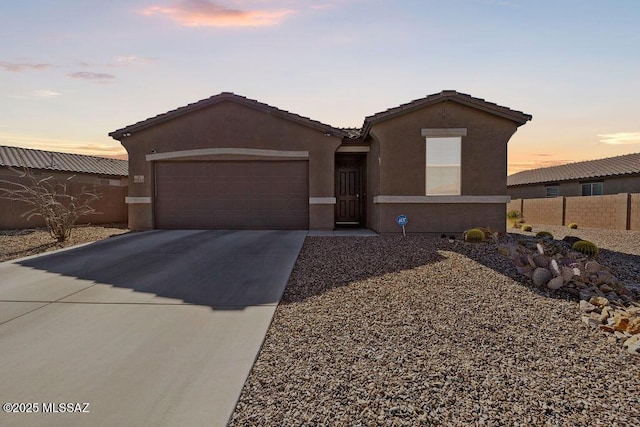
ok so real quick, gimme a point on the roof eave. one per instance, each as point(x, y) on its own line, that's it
point(515, 116)
point(328, 130)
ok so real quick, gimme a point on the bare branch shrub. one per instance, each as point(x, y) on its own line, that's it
point(52, 201)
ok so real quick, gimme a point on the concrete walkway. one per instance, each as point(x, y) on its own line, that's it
point(150, 329)
point(344, 232)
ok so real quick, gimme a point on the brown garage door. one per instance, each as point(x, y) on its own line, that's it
point(232, 195)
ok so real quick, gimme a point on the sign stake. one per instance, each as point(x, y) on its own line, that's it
point(402, 221)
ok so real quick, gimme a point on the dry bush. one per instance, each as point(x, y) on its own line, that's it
point(53, 201)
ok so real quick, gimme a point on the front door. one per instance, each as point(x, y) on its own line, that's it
point(348, 192)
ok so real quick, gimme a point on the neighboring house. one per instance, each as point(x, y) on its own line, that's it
point(228, 162)
point(612, 175)
point(75, 170)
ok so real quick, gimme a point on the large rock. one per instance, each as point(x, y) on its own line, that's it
point(541, 276)
point(586, 307)
point(599, 301)
point(555, 283)
point(632, 345)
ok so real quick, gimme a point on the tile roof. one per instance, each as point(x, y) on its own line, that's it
point(225, 96)
point(352, 133)
point(611, 166)
point(447, 95)
point(52, 160)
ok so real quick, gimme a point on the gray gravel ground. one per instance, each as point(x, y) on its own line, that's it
point(20, 243)
point(419, 331)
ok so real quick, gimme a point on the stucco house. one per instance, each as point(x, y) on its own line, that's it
point(228, 162)
point(612, 175)
point(75, 171)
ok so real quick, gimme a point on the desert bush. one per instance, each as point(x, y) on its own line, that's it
point(527, 227)
point(514, 216)
point(573, 226)
point(52, 201)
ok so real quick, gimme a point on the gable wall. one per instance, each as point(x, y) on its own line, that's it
point(231, 125)
point(484, 149)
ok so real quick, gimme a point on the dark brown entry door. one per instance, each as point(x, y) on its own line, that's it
point(348, 195)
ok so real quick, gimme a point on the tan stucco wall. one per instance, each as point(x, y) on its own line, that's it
point(484, 149)
point(402, 169)
point(440, 218)
point(230, 125)
point(373, 183)
point(321, 217)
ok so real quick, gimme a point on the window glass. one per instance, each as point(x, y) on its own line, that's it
point(552, 191)
point(596, 188)
point(592, 189)
point(443, 166)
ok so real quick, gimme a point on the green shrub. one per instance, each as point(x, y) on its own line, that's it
point(586, 247)
point(514, 217)
point(544, 235)
point(527, 227)
point(573, 226)
point(474, 235)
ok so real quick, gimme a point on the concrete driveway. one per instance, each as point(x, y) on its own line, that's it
point(150, 329)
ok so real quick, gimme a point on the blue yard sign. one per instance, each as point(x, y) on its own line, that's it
point(402, 221)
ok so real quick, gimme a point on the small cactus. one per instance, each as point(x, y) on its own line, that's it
point(474, 235)
point(544, 235)
point(527, 227)
point(586, 247)
point(573, 226)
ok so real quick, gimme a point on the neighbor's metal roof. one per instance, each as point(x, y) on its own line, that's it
point(611, 166)
point(53, 160)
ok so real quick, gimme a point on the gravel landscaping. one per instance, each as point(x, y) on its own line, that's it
point(416, 330)
point(20, 243)
point(619, 249)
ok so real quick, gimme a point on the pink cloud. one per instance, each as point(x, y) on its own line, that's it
point(20, 67)
point(204, 13)
point(93, 77)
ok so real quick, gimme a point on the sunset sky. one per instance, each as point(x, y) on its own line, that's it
point(71, 71)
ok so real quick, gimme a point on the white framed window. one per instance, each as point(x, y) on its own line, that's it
point(443, 166)
point(552, 190)
point(592, 188)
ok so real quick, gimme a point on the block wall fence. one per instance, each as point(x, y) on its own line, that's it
point(615, 211)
